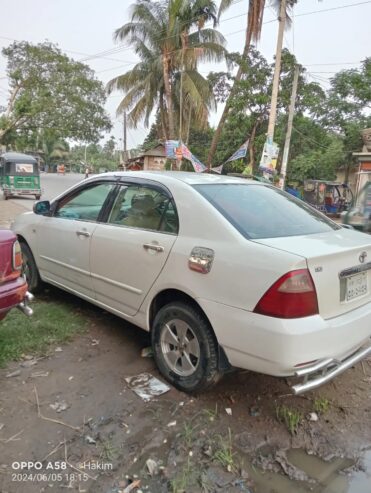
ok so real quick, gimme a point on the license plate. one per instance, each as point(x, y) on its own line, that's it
point(356, 286)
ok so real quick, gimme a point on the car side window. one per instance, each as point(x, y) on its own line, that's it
point(144, 208)
point(85, 204)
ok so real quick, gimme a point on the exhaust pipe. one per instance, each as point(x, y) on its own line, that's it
point(29, 296)
point(25, 309)
point(23, 305)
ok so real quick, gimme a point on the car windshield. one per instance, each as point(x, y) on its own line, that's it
point(260, 211)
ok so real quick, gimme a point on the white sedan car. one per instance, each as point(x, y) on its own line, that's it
point(223, 272)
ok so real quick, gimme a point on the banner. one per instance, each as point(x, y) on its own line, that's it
point(170, 148)
point(268, 161)
point(240, 153)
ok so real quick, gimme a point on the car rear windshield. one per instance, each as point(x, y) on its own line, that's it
point(261, 211)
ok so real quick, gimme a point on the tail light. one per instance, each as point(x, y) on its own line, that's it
point(17, 256)
point(292, 296)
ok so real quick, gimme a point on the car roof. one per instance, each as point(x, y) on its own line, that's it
point(168, 177)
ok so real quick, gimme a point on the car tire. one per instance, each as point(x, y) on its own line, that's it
point(37, 197)
point(191, 366)
point(30, 270)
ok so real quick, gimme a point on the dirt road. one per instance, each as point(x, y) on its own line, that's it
point(74, 418)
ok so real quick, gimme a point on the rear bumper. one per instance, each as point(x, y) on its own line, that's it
point(316, 375)
point(26, 191)
point(14, 294)
point(280, 347)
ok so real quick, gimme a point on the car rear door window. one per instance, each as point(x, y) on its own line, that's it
point(144, 207)
point(260, 211)
point(85, 204)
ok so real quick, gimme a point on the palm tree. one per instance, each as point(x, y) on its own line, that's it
point(191, 13)
point(252, 34)
point(54, 148)
point(161, 35)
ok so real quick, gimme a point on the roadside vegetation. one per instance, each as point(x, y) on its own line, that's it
point(53, 322)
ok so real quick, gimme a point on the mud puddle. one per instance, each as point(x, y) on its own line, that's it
point(339, 475)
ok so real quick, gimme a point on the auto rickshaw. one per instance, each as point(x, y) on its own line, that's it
point(330, 197)
point(19, 175)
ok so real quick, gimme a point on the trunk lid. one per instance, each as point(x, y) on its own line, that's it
point(339, 263)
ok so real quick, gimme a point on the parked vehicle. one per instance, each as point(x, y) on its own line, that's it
point(329, 197)
point(13, 286)
point(19, 175)
point(224, 272)
point(359, 216)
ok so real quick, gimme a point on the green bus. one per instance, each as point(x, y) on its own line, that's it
point(19, 175)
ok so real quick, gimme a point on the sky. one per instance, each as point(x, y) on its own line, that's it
point(326, 36)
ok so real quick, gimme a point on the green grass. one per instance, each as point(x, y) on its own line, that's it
point(182, 483)
point(224, 453)
point(211, 414)
point(108, 452)
point(321, 405)
point(290, 417)
point(188, 433)
point(51, 323)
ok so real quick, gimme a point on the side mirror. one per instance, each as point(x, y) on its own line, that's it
point(42, 207)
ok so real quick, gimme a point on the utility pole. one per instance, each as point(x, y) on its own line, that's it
point(124, 151)
point(289, 129)
point(125, 133)
point(277, 70)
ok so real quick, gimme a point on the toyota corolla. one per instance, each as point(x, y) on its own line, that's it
point(223, 272)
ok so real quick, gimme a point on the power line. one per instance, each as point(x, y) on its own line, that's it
point(294, 16)
point(121, 48)
point(165, 38)
point(333, 8)
point(309, 139)
point(331, 63)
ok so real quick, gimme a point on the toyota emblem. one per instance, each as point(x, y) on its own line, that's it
point(362, 257)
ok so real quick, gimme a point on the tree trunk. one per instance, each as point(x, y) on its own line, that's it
point(189, 124)
point(11, 101)
point(227, 106)
point(181, 99)
point(164, 123)
point(168, 95)
point(252, 144)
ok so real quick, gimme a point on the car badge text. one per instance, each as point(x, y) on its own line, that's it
point(362, 257)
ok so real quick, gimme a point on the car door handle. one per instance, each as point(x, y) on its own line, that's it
point(83, 233)
point(151, 246)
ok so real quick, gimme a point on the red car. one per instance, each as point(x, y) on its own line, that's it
point(13, 286)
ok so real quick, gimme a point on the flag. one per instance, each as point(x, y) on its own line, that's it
point(197, 165)
point(218, 169)
point(240, 153)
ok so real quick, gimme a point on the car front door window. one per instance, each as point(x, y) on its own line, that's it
point(84, 205)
